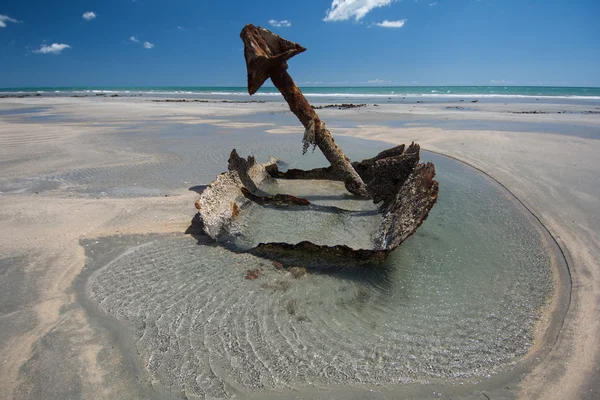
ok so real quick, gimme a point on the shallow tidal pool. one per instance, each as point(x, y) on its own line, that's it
point(457, 303)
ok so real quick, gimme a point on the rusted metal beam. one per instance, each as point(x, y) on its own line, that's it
point(278, 199)
point(266, 57)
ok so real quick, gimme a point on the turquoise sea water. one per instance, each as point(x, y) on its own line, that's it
point(591, 93)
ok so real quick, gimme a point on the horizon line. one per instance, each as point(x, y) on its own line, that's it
point(300, 84)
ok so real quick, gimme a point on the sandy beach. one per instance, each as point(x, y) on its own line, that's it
point(77, 169)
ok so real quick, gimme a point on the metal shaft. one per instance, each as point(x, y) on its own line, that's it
point(322, 137)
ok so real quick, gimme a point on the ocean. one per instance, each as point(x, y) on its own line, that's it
point(338, 93)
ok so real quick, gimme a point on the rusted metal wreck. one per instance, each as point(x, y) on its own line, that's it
point(403, 189)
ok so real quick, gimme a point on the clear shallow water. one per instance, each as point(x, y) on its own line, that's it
point(457, 302)
point(24, 110)
point(333, 218)
point(406, 120)
point(178, 156)
point(175, 156)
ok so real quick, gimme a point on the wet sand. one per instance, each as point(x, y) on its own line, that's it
point(67, 179)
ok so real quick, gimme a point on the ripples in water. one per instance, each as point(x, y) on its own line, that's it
point(457, 301)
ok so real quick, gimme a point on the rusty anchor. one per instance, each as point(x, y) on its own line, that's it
point(266, 57)
point(403, 188)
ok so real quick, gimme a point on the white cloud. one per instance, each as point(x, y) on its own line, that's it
point(135, 39)
point(432, 4)
point(279, 24)
point(54, 48)
point(4, 19)
point(89, 15)
point(391, 24)
point(342, 10)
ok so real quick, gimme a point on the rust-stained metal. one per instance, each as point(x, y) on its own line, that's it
point(325, 174)
point(387, 175)
point(408, 192)
point(308, 252)
point(364, 168)
point(404, 190)
point(278, 199)
point(409, 208)
point(266, 57)
point(223, 200)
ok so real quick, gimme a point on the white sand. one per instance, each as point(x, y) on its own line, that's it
point(557, 176)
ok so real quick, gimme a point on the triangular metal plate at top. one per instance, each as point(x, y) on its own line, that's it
point(264, 51)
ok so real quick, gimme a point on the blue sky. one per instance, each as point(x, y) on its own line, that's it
point(349, 42)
